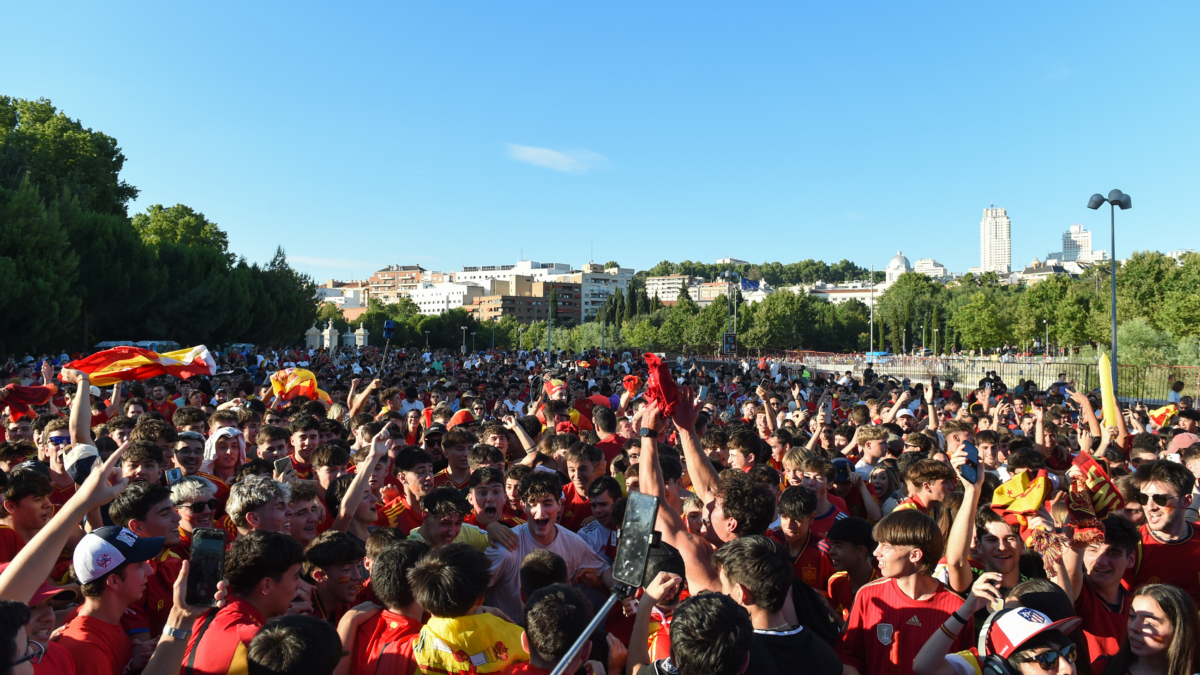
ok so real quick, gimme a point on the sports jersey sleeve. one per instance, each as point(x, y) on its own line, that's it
point(853, 645)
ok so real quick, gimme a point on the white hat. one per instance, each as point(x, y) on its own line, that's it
point(1008, 629)
point(104, 548)
point(96, 391)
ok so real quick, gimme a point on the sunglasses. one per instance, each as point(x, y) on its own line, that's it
point(1161, 500)
point(59, 440)
point(210, 505)
point(1049, 660)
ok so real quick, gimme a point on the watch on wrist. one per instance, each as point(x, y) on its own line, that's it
point(645, 432)
point(177, 633)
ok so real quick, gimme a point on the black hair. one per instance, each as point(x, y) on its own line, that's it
point(135, 502)
point(450, 579)
point(389, 572)
point(259, 555)
point(759, 564)
point(711, 634)
point(797, 502)
point(294, 645)
point(555, 617)
point(331, 549)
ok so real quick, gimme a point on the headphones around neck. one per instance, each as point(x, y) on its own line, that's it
point(992, 664)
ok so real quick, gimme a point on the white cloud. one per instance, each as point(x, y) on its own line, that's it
point(569, 161)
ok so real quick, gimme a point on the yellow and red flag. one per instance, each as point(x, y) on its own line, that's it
point(123, 364)
point(292, 382)
point(1019, 498)
point(1162, 416)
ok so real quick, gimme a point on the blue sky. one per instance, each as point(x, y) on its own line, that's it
point(450, 134)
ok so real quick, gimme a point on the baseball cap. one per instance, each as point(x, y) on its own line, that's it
point(1011, 628)
point(101, 550)
point(1183, 441)
point(48, 591)
point(438, 428)
point(905, 412)
point(95, 391)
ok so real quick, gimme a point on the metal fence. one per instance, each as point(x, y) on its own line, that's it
point(1150, 384)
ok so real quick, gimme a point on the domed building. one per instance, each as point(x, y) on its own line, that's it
point(899, 265)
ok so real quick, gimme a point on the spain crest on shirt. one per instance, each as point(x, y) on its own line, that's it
point(885, 633)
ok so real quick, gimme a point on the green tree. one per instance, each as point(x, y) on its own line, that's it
point(57, 153)
point(643, 334)
point(180, 224)
point(979, 323)
point(611, 264)
point(38, 267)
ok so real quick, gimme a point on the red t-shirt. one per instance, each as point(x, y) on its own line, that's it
point(401, 516)
point(384, 645)
point(854, 501)
point(1160, 562)
point(841, 592)
point(611, 447)
point(55, 661)
point(304, 471)
point(913, 503)
point(443, 477)
point(887, 628)
point(96, 646)
point(1104, 627)
point(156, 602)
point(218, 643)
point(811, 565)
point(821, 524)
point(11, 544)
point(525, 668)
point(166, 408)
point(576, 508)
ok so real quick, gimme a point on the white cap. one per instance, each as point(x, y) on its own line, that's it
point(96, 391)
point(1014, 627)
point(103, 549)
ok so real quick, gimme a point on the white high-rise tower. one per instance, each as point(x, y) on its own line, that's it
point(995, 241)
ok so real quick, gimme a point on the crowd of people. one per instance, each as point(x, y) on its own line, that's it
point(436, 512)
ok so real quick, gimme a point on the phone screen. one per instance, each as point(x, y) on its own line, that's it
point(174, 476)
point(637, 533)
point(970, 470)
point(207, 566)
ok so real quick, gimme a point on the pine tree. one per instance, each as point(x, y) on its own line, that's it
point(630, 303)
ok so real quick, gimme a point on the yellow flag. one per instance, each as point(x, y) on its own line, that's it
point(1108, 391)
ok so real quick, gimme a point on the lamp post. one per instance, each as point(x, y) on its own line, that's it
point(427, 340)
point(922, 338)
point(464, 347)
point(728, 275)
point(935, 341)
point(1115, 198)
point(1046, 343)
point(472, 341)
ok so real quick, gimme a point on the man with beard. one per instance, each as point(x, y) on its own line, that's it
point(159, 402)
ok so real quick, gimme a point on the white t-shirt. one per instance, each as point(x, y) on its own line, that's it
point(515, 407)
point(598, 536)
point(505, 591)
point(406, 405)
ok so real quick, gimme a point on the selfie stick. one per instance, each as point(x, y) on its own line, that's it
point(633, 548)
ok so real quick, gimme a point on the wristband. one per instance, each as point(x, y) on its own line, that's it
point(177, 633)
point(958, 618)
point(952, 636)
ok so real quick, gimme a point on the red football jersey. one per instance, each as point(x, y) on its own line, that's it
point(912, 503)
point(11, 544)
point(1104, 626)
point(443, 477)
point(225, 637)
point(384, 645)
point(576, 508)
point(401, 516)
point(811, 565)
point(887, 628)
point(821, 524)
point(841, 592)
point(1175, 563)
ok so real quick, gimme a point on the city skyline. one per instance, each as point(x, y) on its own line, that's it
point(447, 136)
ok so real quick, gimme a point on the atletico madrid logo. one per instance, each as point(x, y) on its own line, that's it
point(884, 632)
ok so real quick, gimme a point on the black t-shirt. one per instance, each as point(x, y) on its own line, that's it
point(777, 652)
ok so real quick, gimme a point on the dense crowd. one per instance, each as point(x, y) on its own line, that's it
point(436, 512)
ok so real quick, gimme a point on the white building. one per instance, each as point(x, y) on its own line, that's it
point(433, 299)
point(731, 261)
point(344, 294)
point(839, 293)
point(995, 241)
point(931, 268)
point(898, 265)
point(667, 288)
point(531, 268)
point(1077, 247)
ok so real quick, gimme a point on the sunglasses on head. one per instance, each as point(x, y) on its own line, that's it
point(1161, 500)
point(1049, 660)
point(210, 505)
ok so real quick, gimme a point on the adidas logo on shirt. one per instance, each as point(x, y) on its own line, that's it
point(914, 621)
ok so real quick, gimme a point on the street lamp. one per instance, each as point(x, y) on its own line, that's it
point(1046, 344)
point(464, 347)
point(728, 275)
point(426, 340)
point(472, 341)
point(1115, 198)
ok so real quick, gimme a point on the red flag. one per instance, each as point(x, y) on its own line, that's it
point(660, 387)
point(18, 399)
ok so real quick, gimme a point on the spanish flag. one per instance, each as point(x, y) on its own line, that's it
point(1162, 416)
point(292, 382)
point(123, 364)
point(1019, 498)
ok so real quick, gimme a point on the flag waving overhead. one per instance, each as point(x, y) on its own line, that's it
point(123, 364)
point(292, 382)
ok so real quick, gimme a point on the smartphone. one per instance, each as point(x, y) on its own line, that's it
point(207, 566)
point(283, 464)
point(841, 470)
point(174, 476)
point(1174, 457)
point(703, 393)
point(970, 470)
point(637, 533)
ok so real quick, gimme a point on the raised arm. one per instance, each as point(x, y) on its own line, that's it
point(765, 397)
point(901, 401)
point(958, 544)
point(932, 417)
point(700, 468)
point(1085, 410)
point(354, 493)
point(81, 408)
point(662, 586)
point(931, 660)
